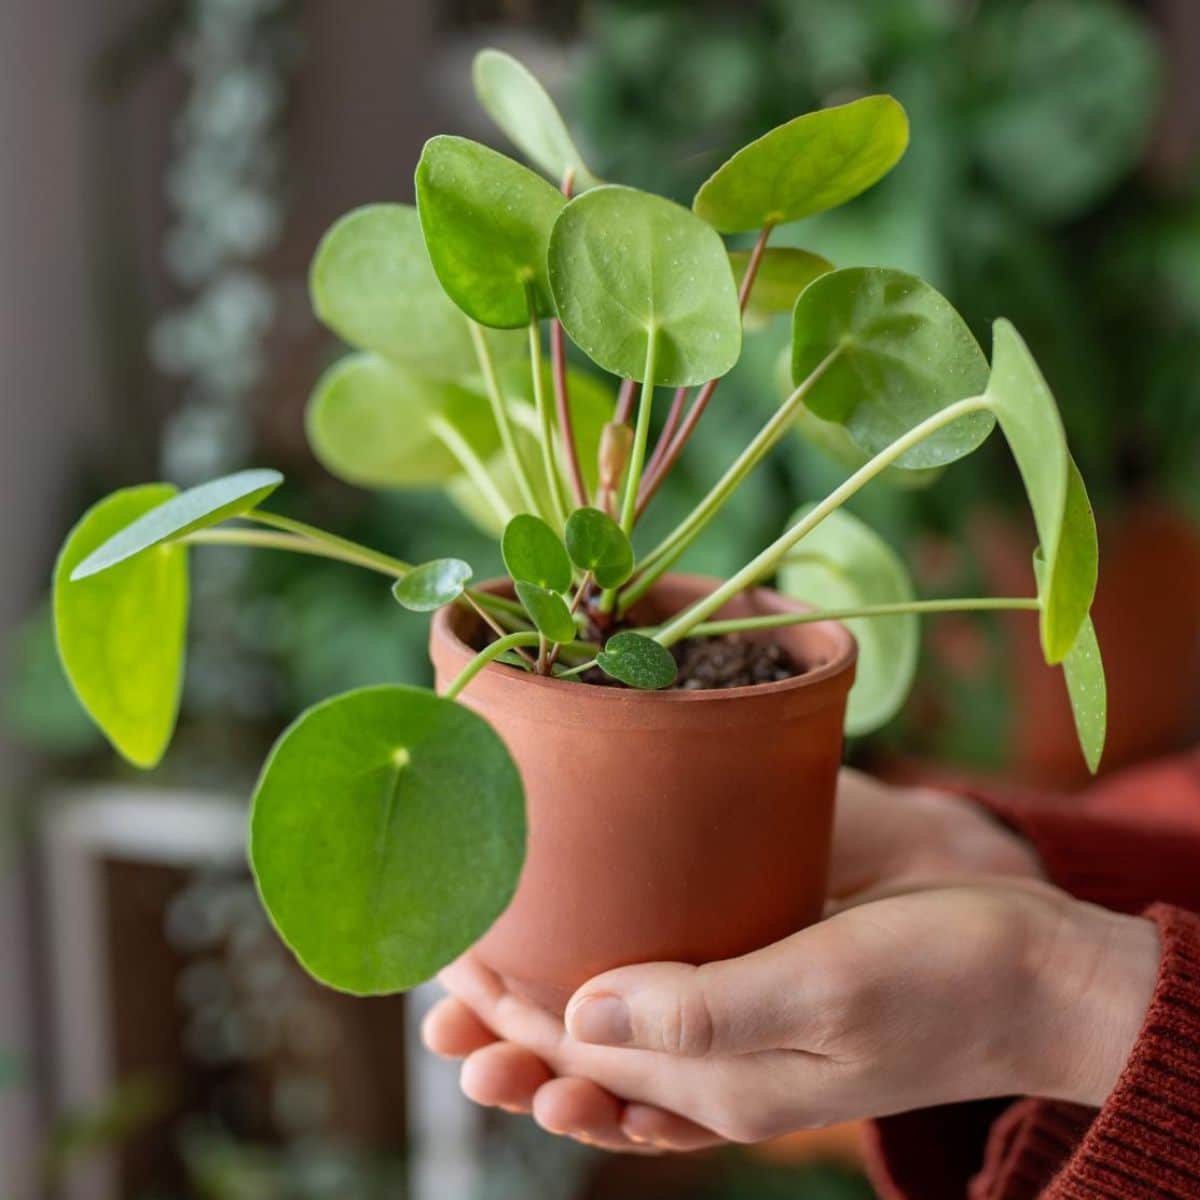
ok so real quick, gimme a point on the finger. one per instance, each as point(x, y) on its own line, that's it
point(581, 1109)
point(645, 1124)
point(452, 1030)
point(504, 1076)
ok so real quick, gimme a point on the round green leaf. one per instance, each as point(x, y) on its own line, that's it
point(517, 102)
point(624, 263)
point(900, 354)
point(432, 584)
point(811, 163)
point(198, 507)
point(373, 423)
point(548, 611)
point(533, 553)
point(487, 222)
point(1024, 405)
point(782, 275)
point(598, 544)
point(638, 661)
point(372, 283)
point(121, 634)
point(387, 834)
point(843, 563)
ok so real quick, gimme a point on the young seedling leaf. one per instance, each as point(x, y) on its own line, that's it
point(782, 275)
point(372, 283)
point(180, 514)
point(638, 661)
point(121, 633)
point(387, 834)
point(534, 553)
point(896, 352)
point(432, 584)
point(487, 222)
point(548, 611)
point(1023, 403)
point(810, 164)
point(623, 264)
point(843, 563)
point(512, 96)
point(598, 544)
point(372, 423)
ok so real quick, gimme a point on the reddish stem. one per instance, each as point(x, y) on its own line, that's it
point(562, 403)
point(625, 399)
point(668, 430)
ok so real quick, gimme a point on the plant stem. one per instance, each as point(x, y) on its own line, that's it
point(348, 551)
point(641, 435)
point(473, 466)
point(625, 397)
point(783, 620)
point(500, 415)
point(765, 562)
point(674, 413)
point(670, 455)
point(494, 625)
point(510, 642)
point(263, 539)
point(579, 670)
point(677, 541)
point(562, 402)
point(545, 425)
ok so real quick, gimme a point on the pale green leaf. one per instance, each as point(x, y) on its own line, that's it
point(433, 584)
point(548, 611)
point(782, 275)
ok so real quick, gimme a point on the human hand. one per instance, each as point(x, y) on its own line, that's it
point(921, 998)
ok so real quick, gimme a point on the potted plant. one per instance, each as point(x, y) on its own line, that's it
point(620, 763)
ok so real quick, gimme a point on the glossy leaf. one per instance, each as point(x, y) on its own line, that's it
point(810, 164)
point(372, 283)
point(198, 507)
point(596, 543)
point(638, 661)
point(900, 354)
point(487, 222)
point(433, 584)
point(548, 611)
point(843, 563)
point(624, 263)
point(387, 834)
point(782, 275)
point(121, 633)
point(372, 423)
point(534, 553)
point(1029, 417)
point(1086, 686)
point(512, 96)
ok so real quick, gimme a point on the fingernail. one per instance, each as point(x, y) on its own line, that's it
point(601, 1018)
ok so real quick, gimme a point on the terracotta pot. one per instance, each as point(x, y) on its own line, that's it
point(687, 825)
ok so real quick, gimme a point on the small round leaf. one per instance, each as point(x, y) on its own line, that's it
point(810, 164)
point(598, 544)
point(432, 584)
point(121, 633)
point(782, 275)
point(548, 611)
point(533, 553)
point(512, 96)
point(387, 834)
point(638, 661)
point(900, 353)
point(843, 563)
point(624, 264)
point(487, 222)
point(198, 507)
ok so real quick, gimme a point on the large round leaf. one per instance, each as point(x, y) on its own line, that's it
point(517, 102)
point(900, 353)
point(809, 164)
point(387, 834)
point(121, 633)
point(198, 507)
point(841, 564)
point(373, 423)
point(783, 274)
point(1024, 405)
point(623, 264)
point(372, 283)
point(487, 223)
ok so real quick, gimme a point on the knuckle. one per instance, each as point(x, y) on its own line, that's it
point(687, 1027)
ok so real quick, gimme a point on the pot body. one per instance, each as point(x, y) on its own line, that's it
point(684, 826)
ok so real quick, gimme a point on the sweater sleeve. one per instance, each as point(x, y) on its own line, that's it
point(1131, 840)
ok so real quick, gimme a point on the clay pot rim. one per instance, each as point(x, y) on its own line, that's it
point(443, 634)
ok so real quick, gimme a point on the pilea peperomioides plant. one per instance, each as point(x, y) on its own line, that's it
point(389, 825)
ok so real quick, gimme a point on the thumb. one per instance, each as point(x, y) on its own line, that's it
point(738, 1006)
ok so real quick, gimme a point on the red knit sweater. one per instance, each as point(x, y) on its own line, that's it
point(1132, 844)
